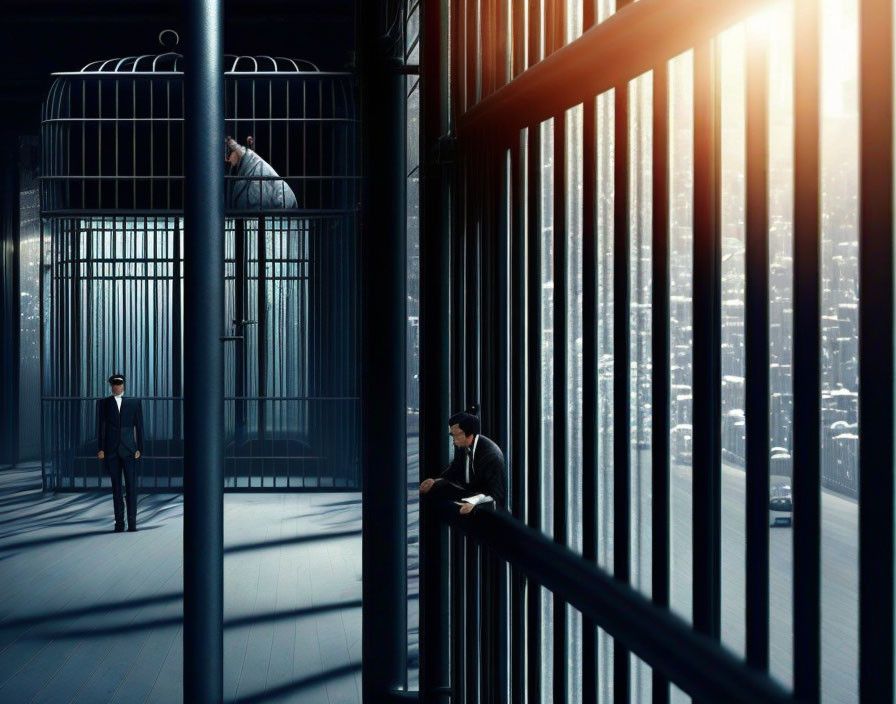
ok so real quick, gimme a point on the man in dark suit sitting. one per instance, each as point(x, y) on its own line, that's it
point(119, 433)
point(476, 475)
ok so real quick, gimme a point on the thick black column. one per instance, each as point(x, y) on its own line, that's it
point(876, 351)
point(383, 350)
point(203, 354)
point(435, 253)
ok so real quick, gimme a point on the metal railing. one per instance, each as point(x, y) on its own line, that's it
point(486, 540)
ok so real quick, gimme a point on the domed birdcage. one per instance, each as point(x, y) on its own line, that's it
point(112, 190)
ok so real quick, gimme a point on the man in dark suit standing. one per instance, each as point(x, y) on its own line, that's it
point(119, 433)
point(476, 475)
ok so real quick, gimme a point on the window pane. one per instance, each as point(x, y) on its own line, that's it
point(640, 184)
point(605, 111)
point(733, 429)
point(412, 381)
point(547, 388)
point(681, 239)
point(780, 209)
point(839, 350)
point(575, 466)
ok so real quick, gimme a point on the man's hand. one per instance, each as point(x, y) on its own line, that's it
point(426, 485)
point(137, 455)
point(101, 455)
point(465, 509)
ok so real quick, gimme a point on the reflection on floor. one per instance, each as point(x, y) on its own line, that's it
point(87, 615)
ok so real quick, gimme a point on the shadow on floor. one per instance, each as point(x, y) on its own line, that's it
point(177, 621)
point(299, 685)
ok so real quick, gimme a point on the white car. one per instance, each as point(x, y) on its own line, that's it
point(781, 505)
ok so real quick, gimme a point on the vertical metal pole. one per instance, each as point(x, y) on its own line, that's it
point(383, 361)
point(533, 387)
point(203, 363)
point(757, 339)
point(590, 496)
point(621, 380)
point(561, 405)
point(807, 357)
point(660, 372)
point(497, 570)
point(434, 347)
point(589, 368)
point(518, 402)
point(876, 405)
point(707, 466)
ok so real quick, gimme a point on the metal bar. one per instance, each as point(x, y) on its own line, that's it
point(560, 363)
point(434, 372)
point(458, 629)
point(635, 39)
point(692, 660)
point(471, 52)
point(518, 402)
point(488, 42)
point(535, 24)
point(590, 497)
point(518, 47)
point(659, 354)
point(806, 356)
point(472, 311)
point(533, 387)
point(621, 381)
point(383, 372)
point(474, 627)
point(706, 352)
point(502, 45)
point(876, 405)
point(756, 320)
point(500, 263)
point(203, 362)
point(454, 52)
point(549, 8)
point(261, 315)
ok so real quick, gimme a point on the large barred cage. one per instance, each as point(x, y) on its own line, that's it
point(112, 194)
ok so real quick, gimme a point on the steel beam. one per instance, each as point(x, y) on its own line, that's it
point(635, 39)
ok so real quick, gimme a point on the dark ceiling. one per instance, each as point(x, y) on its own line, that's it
point(43, 36)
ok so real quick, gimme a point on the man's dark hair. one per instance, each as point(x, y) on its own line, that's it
point(467, 422)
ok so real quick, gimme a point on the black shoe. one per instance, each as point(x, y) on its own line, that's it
point(119, 527)
point(132, 528)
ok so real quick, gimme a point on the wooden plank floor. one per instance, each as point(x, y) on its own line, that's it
point(87, 615)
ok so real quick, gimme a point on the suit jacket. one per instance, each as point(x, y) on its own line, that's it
point(487, 473)
point(117, 431)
